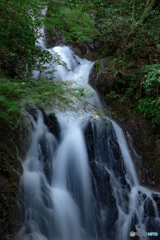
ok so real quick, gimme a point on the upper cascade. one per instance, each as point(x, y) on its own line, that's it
point(80, 183)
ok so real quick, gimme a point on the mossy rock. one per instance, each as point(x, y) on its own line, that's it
point(147, 160)
point(103, 76)
point(10, 172)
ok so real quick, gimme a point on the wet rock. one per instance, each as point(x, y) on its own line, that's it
point(149, 208)
point(140, 139)
point(76, 51)
point(50, 120)
point(96, 44)
point(53, 37)
point(105, 193)
point(156, 198)
point(46, 158)
point(101, 141)
point(151, 226)
point(87, 50)
point(144, 148)
point(133, 227)
point(100, 176)
point(46, 197)
point(52, 123)
point(89, 139)
point(33, 111)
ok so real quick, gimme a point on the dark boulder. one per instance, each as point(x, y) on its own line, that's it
point(103, 75)
point(89, 139)
point(33, 112)
point(52, 123)
point(149, 209)
point(45, 157)
point(153, 225)
point(100, 176)
point(156, 198)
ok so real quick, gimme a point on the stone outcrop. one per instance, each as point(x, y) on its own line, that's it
point(101, 179)
point(144, 147)
point(52, 123)
point(84, 50)
point(12, 150)
point(103, 76)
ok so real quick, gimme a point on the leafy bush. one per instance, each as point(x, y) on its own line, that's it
point(20, 24)
point(79, 25)
point(19, 28)
point(151, 79)
point(17, 94)
point(149, 104)
point(131, 25)
point(150, 108)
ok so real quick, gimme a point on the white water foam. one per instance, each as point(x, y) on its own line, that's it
point(63, 209)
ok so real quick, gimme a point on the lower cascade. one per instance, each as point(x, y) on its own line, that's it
point(79, 182)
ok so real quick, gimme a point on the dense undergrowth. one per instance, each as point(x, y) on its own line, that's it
point(139, 89)
point(131, 32)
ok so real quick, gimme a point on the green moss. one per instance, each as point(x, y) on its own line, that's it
point(97, 66)
point(157, 173)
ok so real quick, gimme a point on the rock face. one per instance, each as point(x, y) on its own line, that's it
point(152, 223)
point(45, 155)
point(83, 50)
point(101, 180)
point(52, 123)
point(50, 120)
point(156, 198)
point(54, 38)
point(12, 148)
point(145, 149)
point(103, 76)
point(141, 141)
point(86, 50)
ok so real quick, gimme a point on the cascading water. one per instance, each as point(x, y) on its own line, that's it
point(80, 183)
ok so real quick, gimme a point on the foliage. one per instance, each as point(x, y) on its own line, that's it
point(17, 94)
point(74, 24)
point(130, 25)
point(149, 105)
point(20, 24)
point(141, 91)
point(20, 53)
point(80, 25)
point(19, 28)
point(127, 25)
point(131, 30)
point(152, 78)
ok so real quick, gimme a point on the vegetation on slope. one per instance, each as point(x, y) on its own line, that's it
point(131, 32)
point(19, 55)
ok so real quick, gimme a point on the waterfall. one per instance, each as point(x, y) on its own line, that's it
point(79, 181)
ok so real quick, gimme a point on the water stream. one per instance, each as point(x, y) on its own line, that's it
point(81, 184)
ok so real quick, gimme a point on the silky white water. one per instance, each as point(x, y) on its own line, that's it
point(81, 185)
